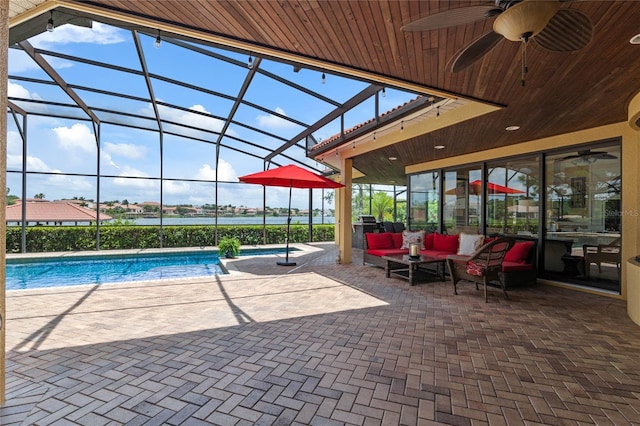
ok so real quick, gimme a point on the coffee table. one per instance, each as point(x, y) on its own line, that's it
point(408, 268)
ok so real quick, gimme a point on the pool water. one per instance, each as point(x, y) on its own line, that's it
point(99, 269)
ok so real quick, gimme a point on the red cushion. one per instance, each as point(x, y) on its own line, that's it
point(428, 241)
point(387, 252)
point(475, 269)
point(447, 243)
point(519, 251)
point(381, 240)
point(396, 237)
point(435, 253)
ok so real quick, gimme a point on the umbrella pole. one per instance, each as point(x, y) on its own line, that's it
point(286, 262)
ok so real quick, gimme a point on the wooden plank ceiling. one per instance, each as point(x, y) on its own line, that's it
point(564, 92)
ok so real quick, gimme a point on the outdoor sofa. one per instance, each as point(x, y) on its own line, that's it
point(518, 268)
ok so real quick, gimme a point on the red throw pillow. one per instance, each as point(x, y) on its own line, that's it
point(396, 237)
point(519, 251)
point(447, 243)
point(428, 241)
point(381, 240)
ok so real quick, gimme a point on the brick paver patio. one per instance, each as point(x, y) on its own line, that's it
point(321, 344)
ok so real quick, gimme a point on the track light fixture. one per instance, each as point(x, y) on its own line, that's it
point(50, 26)
point(438, 112)
point(158, 40)
point(250, 62)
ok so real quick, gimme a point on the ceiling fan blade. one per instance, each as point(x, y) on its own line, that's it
point(451, 18)
point(568, 30)
point(474, 51)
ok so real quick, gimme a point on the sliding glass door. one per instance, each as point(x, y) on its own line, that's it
point(583, 233)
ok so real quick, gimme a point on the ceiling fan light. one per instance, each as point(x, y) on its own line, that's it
point(530, 16)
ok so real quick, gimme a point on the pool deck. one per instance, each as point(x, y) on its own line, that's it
point(317, 343)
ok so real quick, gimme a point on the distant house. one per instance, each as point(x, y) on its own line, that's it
point(170, 210)
point(42, 212)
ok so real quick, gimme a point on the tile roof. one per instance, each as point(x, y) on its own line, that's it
point(52, 211)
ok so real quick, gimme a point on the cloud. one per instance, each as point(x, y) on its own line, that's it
point(14, 155)
point(76, 137)
point(19, 62)
point(171, 187)
point(15, 90)
point(77, 184)
point(274, 122)
point(67, 34)
point(226, 173)
point(102, 34)
point(127, 150)
point(106, 159)
point(132, 171)
point(132, 184)
point(191, 119)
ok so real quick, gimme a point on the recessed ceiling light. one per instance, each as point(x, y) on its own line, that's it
point(393, 158)
point(635, 39)
point(439, 147)
point(512, 128)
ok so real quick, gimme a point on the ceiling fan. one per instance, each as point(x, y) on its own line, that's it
point(588, 156)
point(550, 26)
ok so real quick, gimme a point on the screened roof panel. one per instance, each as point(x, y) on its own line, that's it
point(113, 102)
point(270, 122)
point(199, 69)
point(289, 101)
point(328, 130)
point(191, 98)
point(21, 64)
point(361, 113)
point(333, 86)
point(37, 91)
point(67, 111)
point(204, 133)
point(103, 78)
point(254, 137)
point(128, 120)
point(96, 43)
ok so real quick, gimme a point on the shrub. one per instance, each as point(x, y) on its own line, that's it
point(40, 239)
point(229, 247)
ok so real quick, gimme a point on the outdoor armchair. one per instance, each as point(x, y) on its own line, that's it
point(607, 253)
point(482, 267)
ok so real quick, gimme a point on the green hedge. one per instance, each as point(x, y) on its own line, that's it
point(83, 238)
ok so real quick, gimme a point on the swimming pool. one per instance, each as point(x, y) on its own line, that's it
point(29, 273)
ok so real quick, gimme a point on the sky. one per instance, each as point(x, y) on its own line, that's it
point(276, 113)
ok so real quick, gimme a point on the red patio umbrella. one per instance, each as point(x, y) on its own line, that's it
point(495, 188)
point(290, 176)
point(475, 188)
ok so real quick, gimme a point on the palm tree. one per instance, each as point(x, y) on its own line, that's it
point(381, 204)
